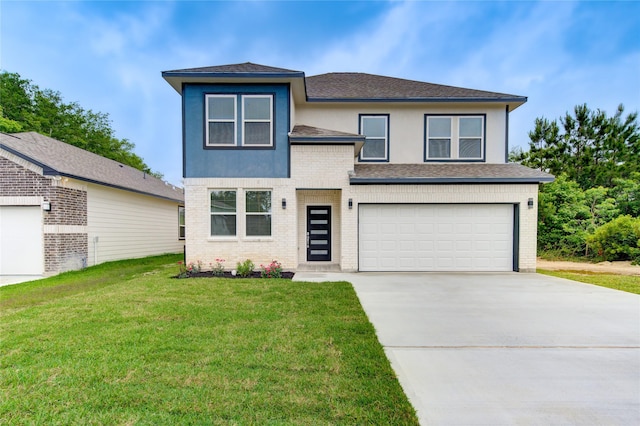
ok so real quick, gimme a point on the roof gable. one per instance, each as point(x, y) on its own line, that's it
point(60, 158)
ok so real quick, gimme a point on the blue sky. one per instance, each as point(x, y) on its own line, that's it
point(108, 55)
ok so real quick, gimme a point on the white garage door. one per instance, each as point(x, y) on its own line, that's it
point(21, 251)
point(436, 237)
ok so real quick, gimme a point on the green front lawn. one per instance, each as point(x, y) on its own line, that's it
point(124, 343)
point(626, 283)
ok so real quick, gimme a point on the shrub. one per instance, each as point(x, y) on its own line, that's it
point(217, 268)
point(194, 267)
point(617, 240)
point(182, 270)
point(245, 268)
point(273, 270)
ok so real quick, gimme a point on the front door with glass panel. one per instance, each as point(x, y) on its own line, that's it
point(318, 233)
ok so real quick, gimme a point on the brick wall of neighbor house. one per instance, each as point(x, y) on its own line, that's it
point(65, 226)
point(65, 252)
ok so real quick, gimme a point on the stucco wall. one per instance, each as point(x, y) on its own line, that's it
point(407, 125)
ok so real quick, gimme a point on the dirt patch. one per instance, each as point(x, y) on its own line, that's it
point(621, 268)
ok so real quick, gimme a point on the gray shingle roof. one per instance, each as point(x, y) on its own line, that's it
point(360, 86)
point(447, 173)
point(59, 158)
point(345, 86)
point(246, 67)
point(302, 131)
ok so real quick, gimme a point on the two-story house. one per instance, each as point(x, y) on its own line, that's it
point(351, 172)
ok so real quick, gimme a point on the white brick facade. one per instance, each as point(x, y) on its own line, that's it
point(320, 176)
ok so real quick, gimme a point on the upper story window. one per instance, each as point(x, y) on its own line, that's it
point(257, 120)
point(221, 120)
point(375, 128)
point(454, 137)
point(239, 120)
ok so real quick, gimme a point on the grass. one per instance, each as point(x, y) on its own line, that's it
point(126, 344)
point(628, 283)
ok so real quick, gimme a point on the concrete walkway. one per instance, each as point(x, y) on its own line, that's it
point(508, 348)
point(17, 279)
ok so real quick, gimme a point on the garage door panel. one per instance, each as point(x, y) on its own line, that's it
point(21, 240)
point(436, 237)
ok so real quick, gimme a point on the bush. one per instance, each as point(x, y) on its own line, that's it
point(617, 240)
point(245, 268)
point(273, 270)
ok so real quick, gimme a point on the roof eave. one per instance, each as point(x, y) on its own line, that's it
point(46, 170)
point(177, 78)
point(110, 185)
point(512, 100)
point(446, 180)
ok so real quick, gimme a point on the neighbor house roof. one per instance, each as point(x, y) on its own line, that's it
point(446, 173)
point(61, 159)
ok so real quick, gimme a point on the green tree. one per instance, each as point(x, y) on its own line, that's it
point(563, 217)
point(627, 194)
point(28, 108)
point(589, 147)
point(7, 125)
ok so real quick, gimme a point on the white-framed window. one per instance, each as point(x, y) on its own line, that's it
point(454, 137)
point(257, 120)
point(375, 128)
point(222, 128)
point(223, 208)
point(258, 213)
point(181, 223)
point(235, 120)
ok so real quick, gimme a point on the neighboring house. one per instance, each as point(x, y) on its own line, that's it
point(62, 208)
point(352, 172)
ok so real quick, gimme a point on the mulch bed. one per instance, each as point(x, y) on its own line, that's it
point(227, 274)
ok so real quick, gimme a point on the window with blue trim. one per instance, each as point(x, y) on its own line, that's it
point(239, 120)
point(375, 128)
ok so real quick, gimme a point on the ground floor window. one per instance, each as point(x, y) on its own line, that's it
point(258, 213)
point(223, 213)
point(181, 223)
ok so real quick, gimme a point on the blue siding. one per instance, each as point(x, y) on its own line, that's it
point(271, 162)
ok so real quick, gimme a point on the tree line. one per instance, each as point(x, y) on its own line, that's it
point(592, 209)
point(24, 107)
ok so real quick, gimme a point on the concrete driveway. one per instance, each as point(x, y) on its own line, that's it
point(508, 348)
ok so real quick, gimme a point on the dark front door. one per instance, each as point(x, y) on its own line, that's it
point(319, 233)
